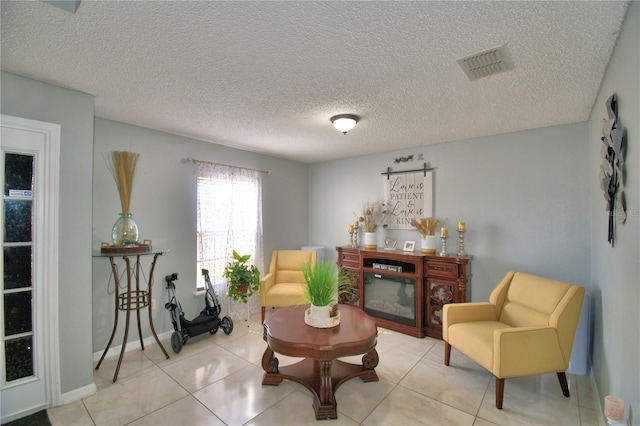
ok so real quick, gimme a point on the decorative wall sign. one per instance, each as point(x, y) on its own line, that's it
point(612, 170)
point(408, 195)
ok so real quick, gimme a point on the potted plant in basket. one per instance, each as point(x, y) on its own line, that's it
point(325, 283)
point(242, 279)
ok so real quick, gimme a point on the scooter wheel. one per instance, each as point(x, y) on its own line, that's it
point(227, 325)
point(176, 342)
point(214, 330)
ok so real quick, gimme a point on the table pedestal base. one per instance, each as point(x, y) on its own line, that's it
point(131, 300)
point(322, 378)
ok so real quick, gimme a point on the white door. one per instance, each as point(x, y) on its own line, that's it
point(29, 367)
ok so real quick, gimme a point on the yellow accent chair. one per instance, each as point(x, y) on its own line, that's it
point(527, 328)
point(284, 284)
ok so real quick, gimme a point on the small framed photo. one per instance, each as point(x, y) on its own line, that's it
point(409, 246)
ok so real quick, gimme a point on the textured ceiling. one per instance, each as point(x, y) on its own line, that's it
point(267, 76)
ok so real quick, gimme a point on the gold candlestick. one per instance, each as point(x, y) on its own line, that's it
point(355, 234)
point(443, 237)
point(461, 252)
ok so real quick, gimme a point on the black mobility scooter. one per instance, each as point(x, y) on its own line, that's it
point(208, 320)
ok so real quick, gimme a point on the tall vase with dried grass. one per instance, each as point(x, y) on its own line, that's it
point(122, 165)
point(373, 216)
point(427, 228)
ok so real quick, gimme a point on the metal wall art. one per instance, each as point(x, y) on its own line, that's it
point(612, 171)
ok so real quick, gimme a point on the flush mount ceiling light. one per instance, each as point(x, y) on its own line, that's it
point(344, 122)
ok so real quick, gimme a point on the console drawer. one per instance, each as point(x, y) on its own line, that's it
point(441, 269)
point(350, 258)
point(351, 264)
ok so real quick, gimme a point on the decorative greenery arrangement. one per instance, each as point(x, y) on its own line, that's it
point(325, 282)
point(373, 215)
point(426, 226)
point(122, 165)
point(242, 279)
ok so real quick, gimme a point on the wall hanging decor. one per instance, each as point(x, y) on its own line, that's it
point(408, 194)
point(612, 170)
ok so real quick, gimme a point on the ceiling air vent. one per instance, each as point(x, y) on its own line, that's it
point(486, 63)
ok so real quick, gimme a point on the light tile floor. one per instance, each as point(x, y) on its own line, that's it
point(216, 380)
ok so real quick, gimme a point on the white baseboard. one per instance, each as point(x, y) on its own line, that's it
point(76, 394)
point(133, 345)
point(86, 391)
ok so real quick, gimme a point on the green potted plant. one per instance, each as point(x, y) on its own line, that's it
point(325, 283)
point(242, 279)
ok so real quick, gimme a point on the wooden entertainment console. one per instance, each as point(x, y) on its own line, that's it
point(438, 280)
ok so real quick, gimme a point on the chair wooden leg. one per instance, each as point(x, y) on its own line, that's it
point(562, 377)
point(262, 315)
point(499, 392)
point(447, 353)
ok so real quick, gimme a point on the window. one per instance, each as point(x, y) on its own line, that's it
point(229, 217)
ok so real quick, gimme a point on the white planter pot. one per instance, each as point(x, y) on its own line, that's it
point(320, 317)
point(320, 311)
point(370, 241)
point(428, 245)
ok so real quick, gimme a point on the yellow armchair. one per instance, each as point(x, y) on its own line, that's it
point(527, 328)
point(284, 284)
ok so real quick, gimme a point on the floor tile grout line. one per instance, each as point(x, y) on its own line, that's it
point(380, 402)
point(87, 410)
point(440, 402)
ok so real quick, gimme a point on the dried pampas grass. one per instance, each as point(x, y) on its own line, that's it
point(426, 226)
point(373, 215)
point(122, 165)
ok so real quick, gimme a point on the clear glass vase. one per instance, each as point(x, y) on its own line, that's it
point(124, 231)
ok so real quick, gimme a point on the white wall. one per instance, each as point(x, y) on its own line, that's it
point(26, 98)
point(164, 206)
point(616, 270)
point(524, 197)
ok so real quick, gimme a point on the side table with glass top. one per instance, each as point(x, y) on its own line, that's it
point(133, 299)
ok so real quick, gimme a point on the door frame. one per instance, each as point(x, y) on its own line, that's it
point(47, 295)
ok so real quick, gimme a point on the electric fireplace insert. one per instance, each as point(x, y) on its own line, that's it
point(390, 297)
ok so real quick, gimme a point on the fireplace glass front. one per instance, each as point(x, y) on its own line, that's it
point(390, 297)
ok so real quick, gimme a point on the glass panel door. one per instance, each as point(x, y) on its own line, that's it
point(17, 267)
point(29, 366)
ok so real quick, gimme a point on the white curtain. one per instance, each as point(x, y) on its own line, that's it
point(229, 218)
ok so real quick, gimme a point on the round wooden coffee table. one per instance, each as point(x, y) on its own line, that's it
point(321, 372)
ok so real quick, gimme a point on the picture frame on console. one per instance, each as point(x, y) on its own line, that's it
point(409, 246)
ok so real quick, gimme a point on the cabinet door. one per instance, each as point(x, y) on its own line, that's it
point(439, 293)
point(349, 260)
point(352, 295)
